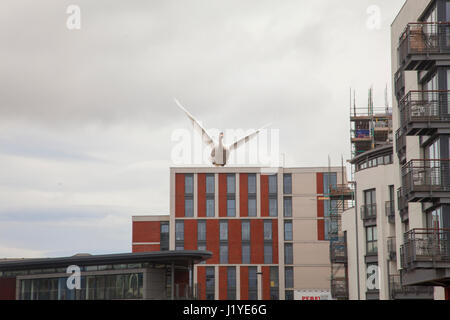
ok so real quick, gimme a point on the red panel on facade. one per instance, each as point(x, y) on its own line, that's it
point(256, 241)
point(243, 194)
point(275, 241)
point(190, 234)
point(146, 247)
point(266, 282)
point(201, 283)
point(264, 195)
point(222, 194)
point(320, 211)
point(223, 276)
point(201, 190)
point(244, 283)
point(179, 195)
point(212, 240)
point(7, 288)
point(234, 241)
point(146, 231)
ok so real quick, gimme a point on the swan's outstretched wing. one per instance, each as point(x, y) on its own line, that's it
point(245, 139)
point(197, 126)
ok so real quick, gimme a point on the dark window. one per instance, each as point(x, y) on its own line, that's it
point(268, 259)
point(371, 240)
point(288, 230)
point(268, 230)
point(252, 284)
point(179, 235)
point(224, 253)
point(210, 283)
point(231, 283)
point(289, 277)
point(288, 253)
point(287, 207)
point(274, 287)
point(252, 195)
point(289, 295)
point(287, 183)
point(210, 187)
point(164, 236)
point(188, 195)
point(246, 253)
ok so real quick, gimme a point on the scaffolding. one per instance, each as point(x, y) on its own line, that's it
point(341, 198)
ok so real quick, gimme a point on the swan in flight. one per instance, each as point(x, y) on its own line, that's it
point(219, 152)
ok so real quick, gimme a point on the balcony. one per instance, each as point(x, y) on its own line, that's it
point(391, 248)
point(338, 251)
point(426, 180)
point(423, 43)
point(339, 288)
point(400, 145)
point(425, 257)
point(424, 112)
point(402, 205)
point(369, 214)
point(401, 292)
point(389, 209)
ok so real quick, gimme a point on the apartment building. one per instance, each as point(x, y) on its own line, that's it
point(268, 232)
point(398, 244)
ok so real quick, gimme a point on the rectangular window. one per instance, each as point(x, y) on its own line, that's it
point(164, 236)
point(246, 253)
point(273, 189)
point(252, 283)
point(201, 230)
point(268, 230)
point(231, 207)
point(273, 207)
point(179, 230)
point(188, 207)
point(288, 230)
point(189, 184)
point(274, 287)
point(287, 206)
point(289, 295)
point(252, 207)
point(251, 183)
point(210, 207)
point(245, 230)
point(223, 253)
point(223, 230)
point(371, 240)
point(202, 247)
point(231, 283)
point(231, 183)
point(268, 259)
point(210, 283)
point(287, 183)
point(210, 184)
point(288, 254)
point(370, 204)
point(289, 277)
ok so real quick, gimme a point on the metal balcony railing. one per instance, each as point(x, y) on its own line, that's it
point(391, 247)
point(424, 106)
point(425, 245)
point(402, 204)
point(369, 211)
point(426, 175)
point(339, 288)
point(398, 290)
point(390, 210)
point(424, 38)
point(338, 251)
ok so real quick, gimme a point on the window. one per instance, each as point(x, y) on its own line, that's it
point(164, 236)
point(329, 180)
point(246, 253)
point(201, 230)
point(434, 219)
point(231, 207)
point(251, 207)
point(231, 283)
point(210, 207)
point(268, 230)
point(370, 203)
point(273, 184)
point(223, 230)
point(289, 295)
point(287, 206)
point(288, 254)
point(179, 230)
point(287, 183)
point(289, 277)
point(252, 283)
point(268, 259)
point(223, 253)
point(251, 183)
point(202, 247)
point(371, 240)
point(188, 207)
point(274, 294)
point(245, 230)
point(189, 184)
point(210, 184)
point(210, 283)
point(231, 183)
point(273, 207)
point(288, 230)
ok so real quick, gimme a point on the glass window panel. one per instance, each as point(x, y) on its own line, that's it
point(223, 253)
point(252, 183)
point(267, 230)
point(287, 207)
point(210, 184)
point(288, 254)
point(252, 208)
point(273, 207)
point(223, 230)
point(179, 230)
point(246, 253)
point(189, 207)
point(231, 208)
point(245, 230)
point(268, 253)
point(231, 184)
point(287, 183)
point(273, 184)
point(188, 184)
point(201, 230)
point(288, 277)
point(288, 230)
point(210, 208)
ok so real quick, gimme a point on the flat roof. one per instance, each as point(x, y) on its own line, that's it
point(159, 257)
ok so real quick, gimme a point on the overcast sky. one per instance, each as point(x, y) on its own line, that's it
point(86, 116)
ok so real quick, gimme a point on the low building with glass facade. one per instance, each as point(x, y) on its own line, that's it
point(147, 275)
